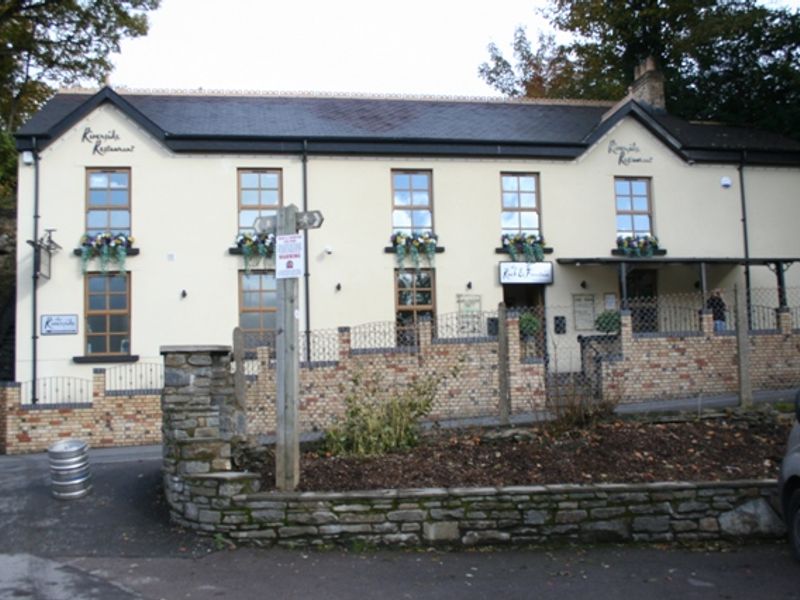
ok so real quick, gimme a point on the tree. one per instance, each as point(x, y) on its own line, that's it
point(44, 43)
point(546, 72)
point(52, 42)
point(727, 60)
point(8, 170)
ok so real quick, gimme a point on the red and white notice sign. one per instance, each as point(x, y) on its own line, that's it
point(289, 256)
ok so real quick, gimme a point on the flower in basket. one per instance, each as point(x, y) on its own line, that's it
point(412, 244)
point(640, 245)
point(529, 245)
point(255, 246)
point(107, 247)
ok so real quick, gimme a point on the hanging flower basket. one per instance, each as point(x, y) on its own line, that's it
point(414, 245)
point(106, 247)
point(255, 247)
point(520, 245)
point(640, 245)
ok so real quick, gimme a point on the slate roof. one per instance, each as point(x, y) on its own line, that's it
point(397, 126)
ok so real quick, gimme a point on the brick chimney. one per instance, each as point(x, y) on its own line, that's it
point(648, 85)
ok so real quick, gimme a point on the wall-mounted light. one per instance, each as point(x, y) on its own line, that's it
point(469, 285)
point(338, 287)
point(27, 157)
point(725, 182)
point(184, 293)
point(584, 285)
point(328, 249)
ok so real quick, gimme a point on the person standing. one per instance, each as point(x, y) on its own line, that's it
point(718, 309)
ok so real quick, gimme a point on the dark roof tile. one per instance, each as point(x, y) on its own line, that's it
point(429, 122)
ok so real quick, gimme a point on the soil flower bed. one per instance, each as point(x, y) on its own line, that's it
point(618, 451)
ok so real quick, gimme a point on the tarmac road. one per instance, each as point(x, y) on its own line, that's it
point(117, 543)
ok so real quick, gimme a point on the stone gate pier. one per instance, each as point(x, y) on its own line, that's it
point(201, 422)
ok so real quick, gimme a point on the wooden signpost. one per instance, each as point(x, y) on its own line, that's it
point(288, 268)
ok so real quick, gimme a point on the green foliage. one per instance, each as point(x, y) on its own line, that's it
point(223, 543)
point(733, 61)
point(529, 324)
point(378, 421)
point(607, 321)
point(547, 72)
point(8, 170)
point(46, 43)
point(49, 43)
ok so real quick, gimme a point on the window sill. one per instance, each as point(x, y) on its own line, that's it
point(659, 252)
point(130, 252)
point(545, 250)
point(105, 358)
point(393, 250)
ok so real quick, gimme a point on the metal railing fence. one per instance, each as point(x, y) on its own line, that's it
point(56, 390)
point(141, 377)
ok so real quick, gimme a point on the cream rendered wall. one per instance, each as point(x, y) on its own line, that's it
point(356, 199)
point(184, 215)
point(184, 218)
point(580, 212)
point(773, 214)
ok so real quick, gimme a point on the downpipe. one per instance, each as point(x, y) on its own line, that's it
point(35, 277)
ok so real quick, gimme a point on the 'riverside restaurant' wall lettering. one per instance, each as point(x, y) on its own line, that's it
point(104, 143)
point(624, 153)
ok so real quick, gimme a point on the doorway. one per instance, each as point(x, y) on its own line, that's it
point(527, 301)
point(520, 296)
point(643, 299)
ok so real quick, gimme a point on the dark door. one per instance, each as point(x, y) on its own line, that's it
point(527, 300)
point(642, 299)
point(521, 296)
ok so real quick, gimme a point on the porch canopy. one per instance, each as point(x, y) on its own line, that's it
point(776, 265)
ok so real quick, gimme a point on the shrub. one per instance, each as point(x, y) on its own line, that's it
point(376, 421)
point(607, 321)
point(529, 325)
point(580, 413)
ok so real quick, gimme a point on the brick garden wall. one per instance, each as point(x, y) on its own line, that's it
point(5, 394)
point(649, 366)
point(202, 425)
point(111, 419)
point(656, 366)
point(469, 388)
point(775, 357)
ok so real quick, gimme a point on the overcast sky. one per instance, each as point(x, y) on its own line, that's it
point(353, 46)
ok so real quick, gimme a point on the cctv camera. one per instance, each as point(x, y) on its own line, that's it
point(328, 250)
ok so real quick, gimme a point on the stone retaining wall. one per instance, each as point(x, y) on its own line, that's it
point(227, 503)
point(203, 423)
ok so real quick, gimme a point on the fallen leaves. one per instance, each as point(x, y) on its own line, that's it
point(614, 452)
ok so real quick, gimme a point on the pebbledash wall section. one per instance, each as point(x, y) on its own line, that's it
point(203, 423)
point(113, 418)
